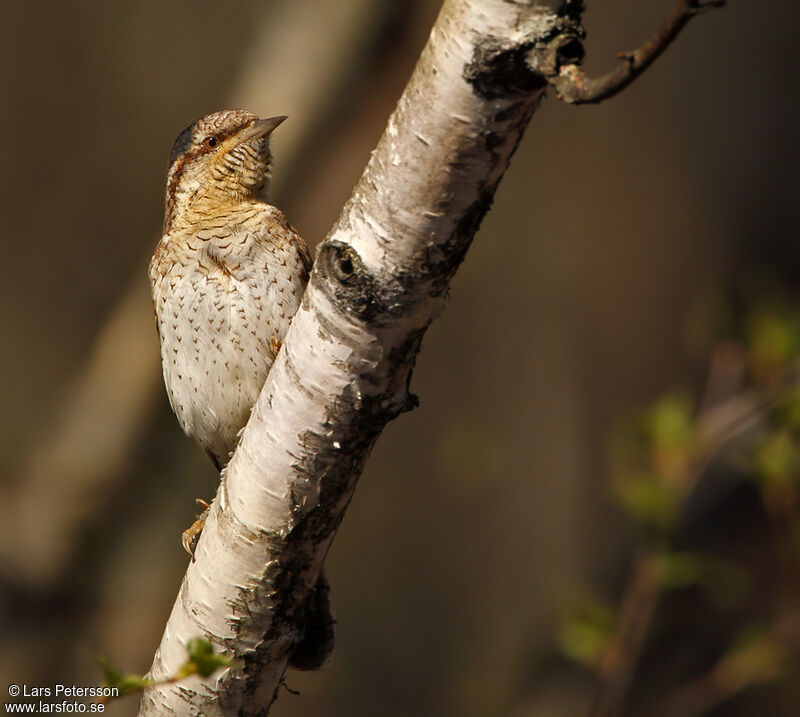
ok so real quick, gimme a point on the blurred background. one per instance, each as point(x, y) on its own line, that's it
point(485, 564)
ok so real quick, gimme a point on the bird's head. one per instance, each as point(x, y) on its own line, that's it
point(222, 158)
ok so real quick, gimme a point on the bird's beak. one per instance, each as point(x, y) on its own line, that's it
point(260, 128)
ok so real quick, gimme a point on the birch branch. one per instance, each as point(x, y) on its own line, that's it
point(575, 87)
point(379, 279)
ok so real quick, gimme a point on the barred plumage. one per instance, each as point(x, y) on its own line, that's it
point(227, 277)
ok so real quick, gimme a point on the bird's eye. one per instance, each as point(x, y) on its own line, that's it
point(210, 142)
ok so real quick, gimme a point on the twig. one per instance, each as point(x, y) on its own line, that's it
point(714, 428)
point(726, 678)
point(720, 424)
point(639, 602)
point(575, 87)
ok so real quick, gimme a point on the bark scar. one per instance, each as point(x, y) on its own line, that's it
point(500, 69)
point(349, 282)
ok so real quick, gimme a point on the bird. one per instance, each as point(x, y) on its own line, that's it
point(227, 277)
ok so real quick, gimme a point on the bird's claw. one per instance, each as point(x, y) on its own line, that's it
point(191, 535)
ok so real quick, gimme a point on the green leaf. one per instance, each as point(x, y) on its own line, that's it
point(777, 468)
point(124, 683)
point(652, 502)
point(669, 423)
point(586, 634)
point(725, 582)
point(774, 340)
point(777, 457)
point(202, 660)
point(110, 674)
point(680, 569)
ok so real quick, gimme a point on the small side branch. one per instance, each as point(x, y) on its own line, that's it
point(575, 87)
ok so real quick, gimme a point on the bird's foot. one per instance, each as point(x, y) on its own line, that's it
point(191, 535)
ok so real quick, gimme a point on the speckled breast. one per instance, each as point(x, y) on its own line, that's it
point(224, 294)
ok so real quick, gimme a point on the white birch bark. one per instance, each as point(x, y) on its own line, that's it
point(379, 279)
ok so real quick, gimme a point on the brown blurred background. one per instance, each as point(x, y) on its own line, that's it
point(481, 514)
